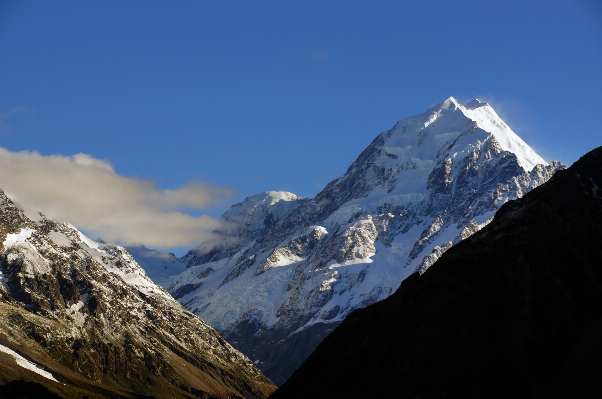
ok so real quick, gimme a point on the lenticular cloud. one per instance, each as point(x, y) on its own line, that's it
point(89, 193)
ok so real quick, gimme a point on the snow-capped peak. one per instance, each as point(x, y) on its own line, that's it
point(447, 104)
point(476, 103)
point(422, 136)
point(260, 209)
point(488, 120)
point(277, 278)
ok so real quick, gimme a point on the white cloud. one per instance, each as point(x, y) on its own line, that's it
point(88, 193)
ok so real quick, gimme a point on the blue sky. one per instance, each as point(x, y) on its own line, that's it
point(249, 96)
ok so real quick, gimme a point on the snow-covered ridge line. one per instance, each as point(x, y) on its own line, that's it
point(113, 258)
point(290, 265)
point(83, 298)
point(487, 119)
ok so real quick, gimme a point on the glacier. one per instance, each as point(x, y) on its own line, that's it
point(287, 270)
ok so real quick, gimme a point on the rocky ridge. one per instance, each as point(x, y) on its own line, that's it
point(286, 271)
point(90, 322)
point(511, 312)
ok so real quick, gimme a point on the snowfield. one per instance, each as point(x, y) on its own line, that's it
point(286, 264)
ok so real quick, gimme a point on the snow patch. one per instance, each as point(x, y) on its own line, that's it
point(342, 215)
point(76, 313)
point(3, 282)
point(16, 239)
point(26, 364)
point(88, 241)
point(328, 283)
point(350, 262)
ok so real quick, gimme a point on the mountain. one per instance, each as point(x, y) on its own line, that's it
point(83, 319)
point(158, 266)
point(514, 311)
point(287, 270)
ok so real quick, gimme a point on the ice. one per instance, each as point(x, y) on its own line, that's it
point(390, 193)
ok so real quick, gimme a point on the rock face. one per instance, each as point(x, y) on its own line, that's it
point(511, 312)
point(287, 270)
point(83, 318)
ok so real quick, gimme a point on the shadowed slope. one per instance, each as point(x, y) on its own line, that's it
point(513, 311)
point(288, 270)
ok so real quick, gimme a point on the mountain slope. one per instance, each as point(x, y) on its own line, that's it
point(513, 311)
point(278, 283)
point(82, 317)
point(158, 266)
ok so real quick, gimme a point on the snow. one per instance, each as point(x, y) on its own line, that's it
point(3, 282)
point(476, 103)
point(442, 138)
point(259, 295)
point(254, 210)
point(26, 364)
point(119, 262)
point(488, 120)
point(93, 252)
point(16, 239)
point(76, 313)
point(401, 152)
point(84, 239)
point(353, 264)
point(397, 200)
point(342, 215)
point(349, 262)
point(446, 121)
point(157, 265)
point(36, 264)
point(286, 260)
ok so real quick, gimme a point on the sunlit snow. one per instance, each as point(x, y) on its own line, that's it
point(26, 364)
point(390, 228)
point(18, 238)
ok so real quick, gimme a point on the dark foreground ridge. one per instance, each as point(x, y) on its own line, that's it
point(513, 311)
point(25, 390)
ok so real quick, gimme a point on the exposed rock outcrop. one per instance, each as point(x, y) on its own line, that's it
point(511, 312)
point(86, 313)
point(288, 264)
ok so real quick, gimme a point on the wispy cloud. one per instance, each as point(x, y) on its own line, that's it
point(89, 193)
point(13, 111)
point(6, 115)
